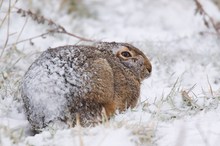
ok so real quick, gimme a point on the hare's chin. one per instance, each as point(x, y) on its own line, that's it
point(147, 75)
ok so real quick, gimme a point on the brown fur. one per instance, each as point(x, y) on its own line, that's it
point(84, 79)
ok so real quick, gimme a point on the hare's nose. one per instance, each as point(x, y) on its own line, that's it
point(148, 66)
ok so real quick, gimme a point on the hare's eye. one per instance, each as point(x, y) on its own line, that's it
point(126, 54)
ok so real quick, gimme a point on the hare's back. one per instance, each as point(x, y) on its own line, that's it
point(54, 76)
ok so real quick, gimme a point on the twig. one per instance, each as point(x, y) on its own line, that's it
point(22, 29)
point(7, 13)
point(191, 88)
point(1, 3)
point(29, 39)
point(210, 87)
point(79, 37)
point(201, 11)
point(8, 25)
point(172, 91)
point(79, 129)
point(104, 117)
point(56, 28)
point(189, 99)
point(3, 20)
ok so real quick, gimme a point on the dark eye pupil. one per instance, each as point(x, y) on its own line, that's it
point(126, 54)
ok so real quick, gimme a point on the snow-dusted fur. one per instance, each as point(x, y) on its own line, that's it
point(71, 80)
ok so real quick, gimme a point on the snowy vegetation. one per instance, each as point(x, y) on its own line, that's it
point(179, 103)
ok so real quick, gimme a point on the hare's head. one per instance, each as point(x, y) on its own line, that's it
point(134, 59)
point(131, 57)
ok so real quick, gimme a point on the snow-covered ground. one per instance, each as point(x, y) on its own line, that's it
point(179, 103)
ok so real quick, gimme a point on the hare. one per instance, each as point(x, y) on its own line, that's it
point(83, 81)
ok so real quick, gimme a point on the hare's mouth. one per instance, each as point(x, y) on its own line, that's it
point(147, 71)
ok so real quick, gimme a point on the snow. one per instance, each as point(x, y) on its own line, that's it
point(200, 130)
point(77, 136)
point(179, 103)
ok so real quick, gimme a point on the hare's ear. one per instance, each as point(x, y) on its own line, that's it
point(113, 46)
